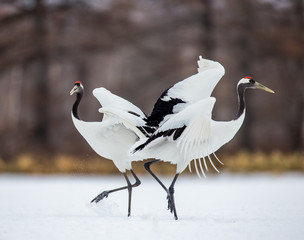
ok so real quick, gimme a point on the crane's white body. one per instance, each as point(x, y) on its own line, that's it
point(113, 137)
point(201, 137)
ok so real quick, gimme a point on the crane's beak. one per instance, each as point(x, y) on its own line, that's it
point(74, 89)
point(262, 87)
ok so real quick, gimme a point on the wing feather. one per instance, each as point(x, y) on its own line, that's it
point(201, 167)
point(130, 121)
point(187, 92)
point(196, 169)
point(108, 99)
point(188, 130)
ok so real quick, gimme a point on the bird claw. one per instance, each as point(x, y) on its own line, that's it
point(101, 196)
point(170, 204)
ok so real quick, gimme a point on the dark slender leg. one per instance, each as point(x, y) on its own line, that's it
point(129, 192)
point(138, 182)
point(147, 167)
point(129, 187)
point(106, 194)
point(170, 192)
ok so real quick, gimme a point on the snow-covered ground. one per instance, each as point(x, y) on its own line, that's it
point(222, 206)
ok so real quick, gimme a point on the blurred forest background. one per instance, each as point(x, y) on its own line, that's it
point(137, 49)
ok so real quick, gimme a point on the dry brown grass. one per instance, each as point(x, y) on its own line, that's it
point(270, 162)
point(239, 162)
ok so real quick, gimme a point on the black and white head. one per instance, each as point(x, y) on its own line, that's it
point(248, 82)
point(78, 88)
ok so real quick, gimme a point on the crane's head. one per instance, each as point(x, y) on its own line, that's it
point(248, 82)
point(78, 88)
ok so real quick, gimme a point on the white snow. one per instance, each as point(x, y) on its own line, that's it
point(223, 206)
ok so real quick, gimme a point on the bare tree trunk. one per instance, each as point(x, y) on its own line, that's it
point(207, 29)
point(40, 104)
point(245, 12)
point(299, 86)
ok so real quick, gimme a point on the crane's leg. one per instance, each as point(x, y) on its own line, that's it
point(170, 197)
point(147, 167)
point(130, 193)
point(171, 202)
point(129, 187)
point(138, 182)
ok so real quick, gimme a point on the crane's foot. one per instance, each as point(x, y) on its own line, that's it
point(171, 202)
point(170, 198)
point(101, 196)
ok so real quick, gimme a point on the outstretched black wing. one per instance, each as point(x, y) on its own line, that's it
point(163, 107)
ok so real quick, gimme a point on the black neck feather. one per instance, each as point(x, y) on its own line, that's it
point(241, 100)
point(75, 105)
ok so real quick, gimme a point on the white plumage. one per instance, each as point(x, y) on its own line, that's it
point(190, 90)
point(199, 85)
point(201, 137)
point(108, 99)
point(114, 135)
point(110, 139)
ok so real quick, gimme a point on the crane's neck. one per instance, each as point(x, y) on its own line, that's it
point(75, 105)
point(241, 100)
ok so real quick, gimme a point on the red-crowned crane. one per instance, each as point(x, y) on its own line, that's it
point(123, 124)
point(186, 131)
